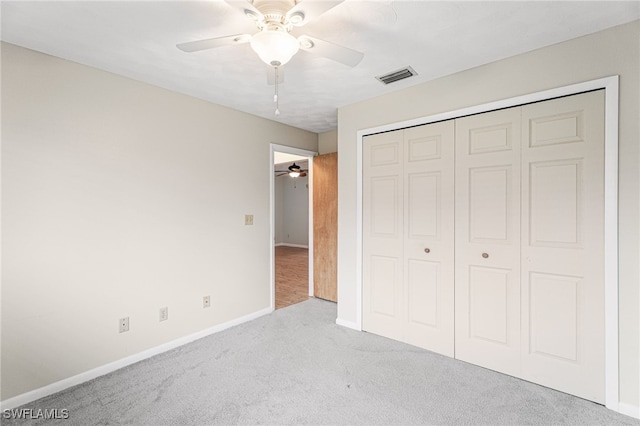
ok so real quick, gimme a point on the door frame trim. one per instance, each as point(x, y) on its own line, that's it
point(272, 215)
point(611, 87)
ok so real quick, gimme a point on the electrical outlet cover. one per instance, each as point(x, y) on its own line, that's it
point(206, 301)
point(123, 324)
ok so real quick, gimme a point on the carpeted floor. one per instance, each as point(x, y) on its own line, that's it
point(296, 366)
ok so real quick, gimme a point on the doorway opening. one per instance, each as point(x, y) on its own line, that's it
point(291, 225)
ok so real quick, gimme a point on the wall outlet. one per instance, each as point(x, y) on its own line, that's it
point(123, 324)
point(164, 313)
point(206, 302)
point(248, 219)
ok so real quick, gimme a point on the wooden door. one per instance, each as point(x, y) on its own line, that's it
point(562, 248)
point(428, 237)
point(325, 226)
point(487, 242)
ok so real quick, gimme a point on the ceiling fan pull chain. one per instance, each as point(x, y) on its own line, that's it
point(275, 96)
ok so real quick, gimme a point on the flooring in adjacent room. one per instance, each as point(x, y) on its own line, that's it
point(292, 275)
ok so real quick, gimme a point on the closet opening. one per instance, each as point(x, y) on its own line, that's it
point(538, 169)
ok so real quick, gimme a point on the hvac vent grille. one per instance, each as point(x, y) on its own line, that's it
point(400, 74)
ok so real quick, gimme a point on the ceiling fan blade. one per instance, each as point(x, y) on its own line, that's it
point(309, 10)
point(341, 54)
point(246, 8)
point(210, 43)
point(271, 75)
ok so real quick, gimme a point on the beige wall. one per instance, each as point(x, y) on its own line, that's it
point(611, 52)
point(292, 210)
point(328, 142)
point(119, 198)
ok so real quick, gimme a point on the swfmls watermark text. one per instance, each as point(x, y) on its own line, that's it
point(36, 414)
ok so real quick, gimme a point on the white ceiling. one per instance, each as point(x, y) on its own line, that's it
point(285, 157)
point(138, 40)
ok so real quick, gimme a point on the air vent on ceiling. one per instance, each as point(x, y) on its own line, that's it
point(400, 74)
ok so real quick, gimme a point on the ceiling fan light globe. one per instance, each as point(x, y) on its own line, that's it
point(275, 47)
point(294, 174)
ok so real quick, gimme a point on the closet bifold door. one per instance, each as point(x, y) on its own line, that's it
point(487, 241)
point(563, 247)
point(428, 242)
point(525, 240)
point(408, 194)
point(382, 240)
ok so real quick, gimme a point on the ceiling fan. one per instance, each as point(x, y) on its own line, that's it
point(293, 170)
point(275, 19)
point(273, 42)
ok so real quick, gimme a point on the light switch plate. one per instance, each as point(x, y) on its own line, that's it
point(164, 313)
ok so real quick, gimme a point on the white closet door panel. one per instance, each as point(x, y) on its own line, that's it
point(562, 253)
point(555, 191)
point(382, 230)
point(487, 240)
point(424, 282)
point(490, 198)
point(428, 242)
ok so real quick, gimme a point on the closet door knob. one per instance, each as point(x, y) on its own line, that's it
point(427, 250)
point(485, 255)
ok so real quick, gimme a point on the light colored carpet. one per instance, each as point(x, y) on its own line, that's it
point(296, 366)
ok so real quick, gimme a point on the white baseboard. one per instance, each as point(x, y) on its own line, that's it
point(348, 324)
point(629, 410)
point(291, 245)
point(52, 388)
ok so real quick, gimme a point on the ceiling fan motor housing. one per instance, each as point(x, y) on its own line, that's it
point(274, 12)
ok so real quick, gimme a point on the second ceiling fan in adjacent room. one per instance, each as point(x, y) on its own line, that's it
point(293, 170)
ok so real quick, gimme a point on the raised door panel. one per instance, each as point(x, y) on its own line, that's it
point(424, 205)
point(489, 304)
point(553, 315)
point(424, 283)
point(487, 240)
point(428, 236)
point(562, 251)
point(384, 192)
point(382, 234)
point(490, 204)
point(555, 196)
point(384, 285)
